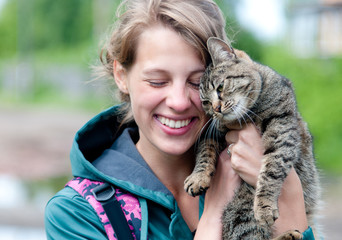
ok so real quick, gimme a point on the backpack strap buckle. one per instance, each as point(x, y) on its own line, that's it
point(103, 192)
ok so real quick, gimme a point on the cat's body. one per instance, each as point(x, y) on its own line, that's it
point(236, 90)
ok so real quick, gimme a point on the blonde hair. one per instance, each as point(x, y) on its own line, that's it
point(194, 20)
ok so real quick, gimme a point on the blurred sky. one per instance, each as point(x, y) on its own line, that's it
point(265, 18)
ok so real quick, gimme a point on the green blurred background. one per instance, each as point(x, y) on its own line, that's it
point(47, 49)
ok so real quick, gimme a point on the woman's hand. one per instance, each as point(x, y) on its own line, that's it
point(247, 151)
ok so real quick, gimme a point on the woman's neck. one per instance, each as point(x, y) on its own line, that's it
point(171, 170)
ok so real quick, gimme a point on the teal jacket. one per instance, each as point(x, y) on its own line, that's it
point(103, 152)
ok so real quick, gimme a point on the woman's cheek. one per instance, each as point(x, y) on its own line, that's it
point(197, 100)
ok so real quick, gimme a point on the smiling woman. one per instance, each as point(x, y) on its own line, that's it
point(145, 147)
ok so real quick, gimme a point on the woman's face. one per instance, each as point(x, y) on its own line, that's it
point(163, 88)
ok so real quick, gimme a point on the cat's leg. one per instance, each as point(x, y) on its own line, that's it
point(282, 147)
point(199, 180)
point(265, 203)
point(269, 185)
point(290, 235)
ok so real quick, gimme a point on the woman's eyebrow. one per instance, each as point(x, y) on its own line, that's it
point(154, 70)
point(158, 71)
point(198, 71)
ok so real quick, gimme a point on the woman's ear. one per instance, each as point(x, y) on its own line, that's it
point(120, 76)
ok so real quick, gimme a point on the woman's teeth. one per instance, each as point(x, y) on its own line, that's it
point(174, 123)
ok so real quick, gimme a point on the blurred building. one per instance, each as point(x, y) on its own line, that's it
point(315, 28)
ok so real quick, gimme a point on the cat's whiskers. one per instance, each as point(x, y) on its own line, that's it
point(201, 131)
point(248, 110)
point(215, 133)
point(245, 112)
point(212, 131)
point(205, 125)
point(237, 114)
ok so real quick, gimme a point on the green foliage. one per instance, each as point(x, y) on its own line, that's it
point(8, 32)
point(318, 87)
point(28, 26)
point(60, 23)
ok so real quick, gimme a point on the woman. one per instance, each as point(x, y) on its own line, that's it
point(145, 146)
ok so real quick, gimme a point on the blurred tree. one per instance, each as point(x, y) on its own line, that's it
point(61, 23)
point(44, 24)
point(8, 31)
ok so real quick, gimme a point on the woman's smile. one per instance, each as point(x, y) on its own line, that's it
point(173, 127)
point(171, 123)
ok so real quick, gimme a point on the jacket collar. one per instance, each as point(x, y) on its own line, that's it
point(103, 152)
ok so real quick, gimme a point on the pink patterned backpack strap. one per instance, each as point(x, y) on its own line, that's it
point(130, 206)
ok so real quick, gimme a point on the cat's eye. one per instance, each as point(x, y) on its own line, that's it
point(220, 88)
point(205, 102)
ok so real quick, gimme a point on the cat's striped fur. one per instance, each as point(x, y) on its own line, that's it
point(236, 90)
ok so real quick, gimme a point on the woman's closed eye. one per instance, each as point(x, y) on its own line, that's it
point(194, 84)
point(194, 79)
point(156, 82)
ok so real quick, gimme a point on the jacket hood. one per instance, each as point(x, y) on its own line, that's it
point(102, 151)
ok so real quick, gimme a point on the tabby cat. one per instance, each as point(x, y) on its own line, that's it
point(236, 90)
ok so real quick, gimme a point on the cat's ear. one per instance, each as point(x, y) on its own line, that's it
point(219, 50)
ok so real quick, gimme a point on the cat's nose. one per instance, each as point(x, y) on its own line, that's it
point(217, 107)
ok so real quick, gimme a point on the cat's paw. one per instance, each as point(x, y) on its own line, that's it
point(290, 235)
point(266, 216)
point(196, 183)
point(265, 213)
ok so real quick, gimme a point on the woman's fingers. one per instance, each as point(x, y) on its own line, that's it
point(245, 150)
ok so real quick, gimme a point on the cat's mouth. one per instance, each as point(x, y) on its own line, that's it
point(171, 123)
point(230, 111)
point(236, 112)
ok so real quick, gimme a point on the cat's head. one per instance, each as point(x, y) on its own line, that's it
point(230, 85)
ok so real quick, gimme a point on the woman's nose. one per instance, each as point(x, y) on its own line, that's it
point(179, 98)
